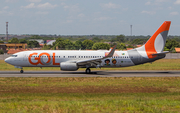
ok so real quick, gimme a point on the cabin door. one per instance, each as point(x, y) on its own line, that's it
point(25, 57)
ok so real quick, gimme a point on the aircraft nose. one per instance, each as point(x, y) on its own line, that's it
point(7, 60)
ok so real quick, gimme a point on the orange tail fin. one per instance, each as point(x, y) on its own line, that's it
point(157, 42)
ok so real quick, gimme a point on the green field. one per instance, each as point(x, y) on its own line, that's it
point(163, 64)
point(90, 95)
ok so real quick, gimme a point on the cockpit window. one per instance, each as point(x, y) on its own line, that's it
point(14, 56)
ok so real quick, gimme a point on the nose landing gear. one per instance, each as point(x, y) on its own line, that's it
point(20, 68)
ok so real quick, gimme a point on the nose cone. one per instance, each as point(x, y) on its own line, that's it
point(7, 60)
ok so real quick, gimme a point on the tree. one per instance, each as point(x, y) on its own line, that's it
point(35, 37)
point(22, 41)
point(69, 45)
point(78, 45)
point(46, 47)
point(121, 46)
point(166, 49)
point(120, 38)
point(96, 39)
point(171, 44)
point(130, 46)
point(113, 40)
point(14, 40)
point(80, 38)
point(32, 44)
point(87, 44)
point(63, 44)
point(97, 46)
point(137, 41)
point(59, 43)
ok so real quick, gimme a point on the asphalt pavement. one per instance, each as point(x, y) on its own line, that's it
point(93, 74)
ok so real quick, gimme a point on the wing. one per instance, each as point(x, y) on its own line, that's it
point(95, 62)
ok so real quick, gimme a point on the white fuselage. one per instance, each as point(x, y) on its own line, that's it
point(53, 58)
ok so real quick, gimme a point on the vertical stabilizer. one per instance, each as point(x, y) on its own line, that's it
point(157, 41)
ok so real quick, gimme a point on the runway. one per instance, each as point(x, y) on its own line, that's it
point(93, 74)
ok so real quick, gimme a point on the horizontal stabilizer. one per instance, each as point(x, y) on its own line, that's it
point(162, 53)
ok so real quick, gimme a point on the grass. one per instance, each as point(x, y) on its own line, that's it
point(92, 95)
point(163, 64)
point(79, 95)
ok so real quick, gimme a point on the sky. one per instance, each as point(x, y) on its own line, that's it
point(88, 17)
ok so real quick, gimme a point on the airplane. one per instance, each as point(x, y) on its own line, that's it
point(72, 60)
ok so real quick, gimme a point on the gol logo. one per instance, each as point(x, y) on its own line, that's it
point(41, 61)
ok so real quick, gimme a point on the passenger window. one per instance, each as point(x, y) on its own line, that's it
point(14, 56)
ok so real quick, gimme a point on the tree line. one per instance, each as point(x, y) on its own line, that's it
point(95, 43)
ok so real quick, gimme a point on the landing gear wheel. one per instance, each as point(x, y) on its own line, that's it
point(21, 71)
point(88, 71)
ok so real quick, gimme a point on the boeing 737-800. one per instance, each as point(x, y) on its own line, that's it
point(72, 60)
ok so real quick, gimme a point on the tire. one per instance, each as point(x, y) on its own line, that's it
point(21, 71)
point(88, 71)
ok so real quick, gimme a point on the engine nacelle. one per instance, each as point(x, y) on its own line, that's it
point(66, 66)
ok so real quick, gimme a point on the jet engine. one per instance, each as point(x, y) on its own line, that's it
point(67, 66)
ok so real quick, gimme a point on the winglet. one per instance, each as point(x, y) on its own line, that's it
point(111, 52)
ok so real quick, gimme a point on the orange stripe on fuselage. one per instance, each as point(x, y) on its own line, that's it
point(149, 46)
point(54, 63)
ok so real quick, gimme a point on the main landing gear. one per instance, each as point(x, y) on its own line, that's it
point(88, 71)
point(21, 70)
